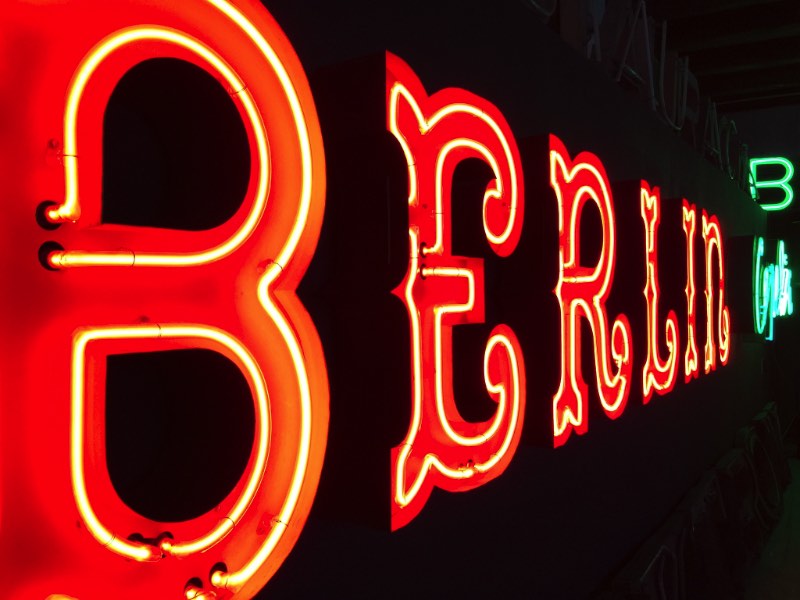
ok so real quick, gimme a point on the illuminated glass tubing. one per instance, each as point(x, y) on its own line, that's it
point(772, 288)
point(497, 241)
point(441, 291)
point(712, 238)
point(691, 361)
point(69, 210)
point(103, 535)
point(404, 493)
point(582, 292)
point(783, 183)
point(657, 375)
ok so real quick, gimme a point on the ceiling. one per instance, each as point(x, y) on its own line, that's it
point(744, 53)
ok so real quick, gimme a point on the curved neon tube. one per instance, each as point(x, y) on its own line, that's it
point(102, 534)
point(657, 375)
point(405, 494)
point(691, 362)
point(235, 579)
point(439, 312)
point(783, 183)
point(69, 210)
point(772, 288)
point(762, 289)
point(398, 89)
point(613, 390)
point(713, 239)
point(784, 282)
point(437, 438)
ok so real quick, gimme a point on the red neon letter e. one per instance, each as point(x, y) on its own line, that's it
point(442, 290)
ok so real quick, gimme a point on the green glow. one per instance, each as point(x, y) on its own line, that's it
point(783, 281)
point(760, 293)
point(782, 183)
point(772, 288)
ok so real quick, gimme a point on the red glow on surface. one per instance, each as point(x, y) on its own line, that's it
point(658, 375)
point(691, 364)
point(441, 290)
point(712, 238)
point(582, 291)
point(118, 289)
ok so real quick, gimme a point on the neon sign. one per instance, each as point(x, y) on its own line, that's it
point(772, 288)
point(582, 291)
point(124, 289)
point(442, 290)
point(691, 365)
point(782, 183)
point(712, 238)
point(658, 375)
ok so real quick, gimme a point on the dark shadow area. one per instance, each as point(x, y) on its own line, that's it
point(179, 430)
point(175, 150)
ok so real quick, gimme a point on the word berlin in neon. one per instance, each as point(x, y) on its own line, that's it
point(442, 290)
point(261, 326)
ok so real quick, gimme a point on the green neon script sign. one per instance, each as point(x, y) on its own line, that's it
point(782, 183)
point(772, 288)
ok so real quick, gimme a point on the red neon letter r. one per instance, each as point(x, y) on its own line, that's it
point(582, 292)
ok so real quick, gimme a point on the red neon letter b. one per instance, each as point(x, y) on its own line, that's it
point(115, 289)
